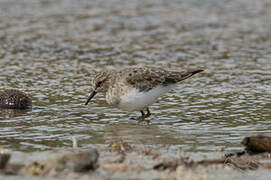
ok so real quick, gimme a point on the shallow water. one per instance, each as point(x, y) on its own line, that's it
point(49, 49)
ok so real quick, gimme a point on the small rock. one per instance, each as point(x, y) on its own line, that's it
point(242, 163)
point(257, 144)
point(4, 158)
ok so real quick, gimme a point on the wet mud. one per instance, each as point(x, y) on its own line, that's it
point(121, 160)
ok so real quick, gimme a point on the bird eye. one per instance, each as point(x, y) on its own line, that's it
point(99, 83)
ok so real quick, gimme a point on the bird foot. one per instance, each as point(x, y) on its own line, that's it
point(143, 116)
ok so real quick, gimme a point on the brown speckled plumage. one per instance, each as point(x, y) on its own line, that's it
point(145, 79)
point(14, 99)
point(116, 84)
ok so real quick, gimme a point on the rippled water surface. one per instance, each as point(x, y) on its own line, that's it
point(49, 49)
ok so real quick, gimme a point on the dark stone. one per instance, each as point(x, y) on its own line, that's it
point(14, 99)
point(4, 158)
point(257, 144)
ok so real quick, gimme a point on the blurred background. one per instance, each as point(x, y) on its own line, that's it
point(49, 48)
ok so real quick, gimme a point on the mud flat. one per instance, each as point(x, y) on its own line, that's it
point(121, 160)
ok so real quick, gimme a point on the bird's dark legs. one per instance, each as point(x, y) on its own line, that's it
point(148, 112)
point(143, 115)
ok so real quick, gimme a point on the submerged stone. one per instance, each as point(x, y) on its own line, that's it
point(14, 99)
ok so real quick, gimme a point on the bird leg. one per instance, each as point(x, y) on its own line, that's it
point(148, 112)
point(143, 115)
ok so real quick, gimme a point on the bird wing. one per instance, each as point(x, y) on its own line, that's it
point(145, 79)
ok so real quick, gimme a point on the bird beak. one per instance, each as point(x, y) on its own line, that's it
point(92, 94)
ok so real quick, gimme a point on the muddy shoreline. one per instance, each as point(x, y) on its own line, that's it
point(121, 160)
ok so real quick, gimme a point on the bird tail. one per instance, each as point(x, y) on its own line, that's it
point(180, 76)
point(190, 73)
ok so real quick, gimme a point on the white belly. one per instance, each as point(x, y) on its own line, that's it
point(136, 101)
